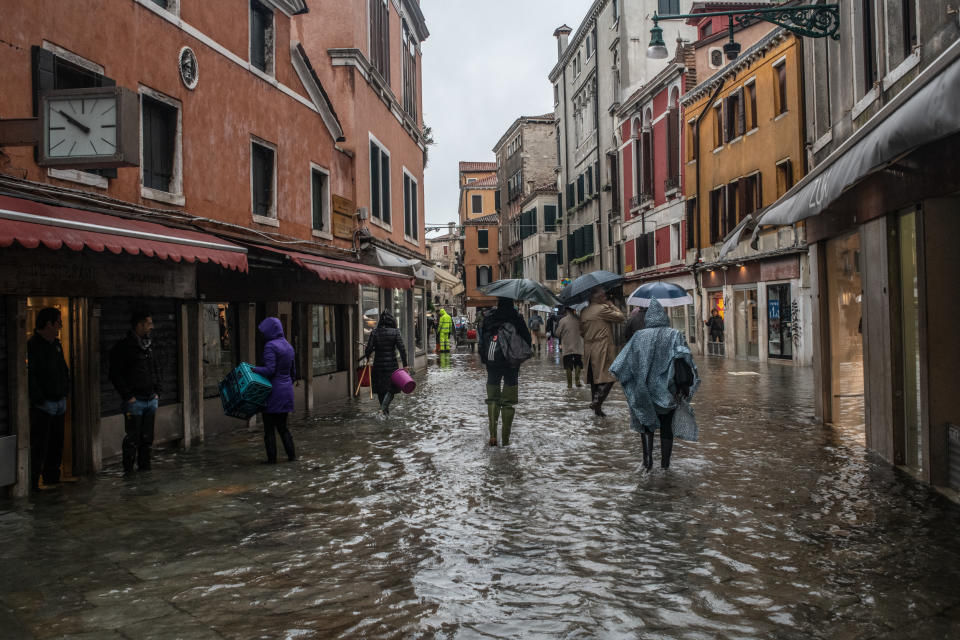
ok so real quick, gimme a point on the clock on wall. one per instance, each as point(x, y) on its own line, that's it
point(92, 128)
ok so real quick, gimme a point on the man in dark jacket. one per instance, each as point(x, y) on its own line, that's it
point(501, 402)
point(135, 374)
point(48, 383)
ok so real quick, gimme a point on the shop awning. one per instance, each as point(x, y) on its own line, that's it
point(733, 238)
point(925, 111)
point(446, 277)
point(391, 260)
point(344, 271)
point(31, 224)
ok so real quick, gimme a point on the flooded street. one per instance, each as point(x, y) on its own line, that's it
point(770, 527)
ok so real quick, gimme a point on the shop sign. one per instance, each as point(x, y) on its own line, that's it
point(342, 218)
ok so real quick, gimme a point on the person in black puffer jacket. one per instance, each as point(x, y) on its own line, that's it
point(383, 343)
point(501, 401)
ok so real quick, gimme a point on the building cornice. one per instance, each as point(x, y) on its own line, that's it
point(671, 72)
point(522, 120)
point(747, 58)
point(411, 9)
point(585, 26)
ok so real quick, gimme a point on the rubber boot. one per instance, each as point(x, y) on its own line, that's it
point(603, 390)
point(508, 404)
point(666, 450)
point(144, 449)
point(131, 428)
point(385, 403)
point(287, 440)
point(647, 440)
point(493, 411)
point(570, 379)
point(576, 375)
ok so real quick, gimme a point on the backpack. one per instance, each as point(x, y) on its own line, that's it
point(682, 376)
point(508, 347)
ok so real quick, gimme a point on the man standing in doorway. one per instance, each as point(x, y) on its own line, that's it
point(136, 376)
point(48, 382)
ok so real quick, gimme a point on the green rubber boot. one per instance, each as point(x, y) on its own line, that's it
point(493, 410)
point(577, 374)
point(569, 378)
point(508, 403)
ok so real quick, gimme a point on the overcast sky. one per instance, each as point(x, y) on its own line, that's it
point(484, 65)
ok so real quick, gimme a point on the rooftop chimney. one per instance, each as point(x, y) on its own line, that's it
point(562, 34)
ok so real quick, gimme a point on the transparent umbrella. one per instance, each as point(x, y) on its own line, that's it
point(520, 289)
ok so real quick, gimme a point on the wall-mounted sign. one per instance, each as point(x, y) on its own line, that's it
point(189, 71)
point(92, 128)
point(342, 217)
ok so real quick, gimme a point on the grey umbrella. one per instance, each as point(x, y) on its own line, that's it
point(520, 289)
point(579, 290)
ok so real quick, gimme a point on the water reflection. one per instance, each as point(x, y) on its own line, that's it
point(771, 526)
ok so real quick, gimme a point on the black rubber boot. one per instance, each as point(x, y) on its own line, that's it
point(145, 446)
point(647, 440)
point(270, 438)
point(666, 450)
point(287, 440)
point(131, 438)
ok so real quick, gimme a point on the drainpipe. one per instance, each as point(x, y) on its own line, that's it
point(566, 173)
point(596, 120)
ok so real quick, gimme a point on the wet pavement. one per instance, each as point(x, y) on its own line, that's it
point(770, 527)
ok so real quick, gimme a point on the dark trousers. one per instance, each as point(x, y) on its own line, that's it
point(46, 446)
point(509, 375)
point(385, 398)
point(138, 439)
point(666, 442)
point(274, 423)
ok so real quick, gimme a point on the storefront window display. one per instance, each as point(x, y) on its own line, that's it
point(219, 345)
point(419, 319)
point(715, 335)
point(324, 343)
point(910, 336)
point(844, 299)
point(748, 340)
point(400, 312)
point(370, 311)
point(779, 321)
point(679, 319)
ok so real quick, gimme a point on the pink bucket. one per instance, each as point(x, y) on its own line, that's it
point(403, 380)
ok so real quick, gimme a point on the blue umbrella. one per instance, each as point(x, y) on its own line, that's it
point(667, 294)
point(580, 289)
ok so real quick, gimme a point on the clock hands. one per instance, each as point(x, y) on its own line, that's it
point(74, 121)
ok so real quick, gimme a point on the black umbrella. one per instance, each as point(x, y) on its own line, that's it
point(520, 289)
point(580, 289)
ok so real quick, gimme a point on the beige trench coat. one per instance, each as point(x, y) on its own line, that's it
point(599, 352)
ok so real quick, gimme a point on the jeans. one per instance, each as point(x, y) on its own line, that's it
point(138, 426)
point(141, 407)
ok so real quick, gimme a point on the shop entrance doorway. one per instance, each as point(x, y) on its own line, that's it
point(779, 321)
point(844, 296)
point(34, 305)
point(747, 336)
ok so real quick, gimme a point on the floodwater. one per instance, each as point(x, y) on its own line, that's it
point(770, 527)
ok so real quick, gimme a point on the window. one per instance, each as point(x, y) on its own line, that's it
point(411, 211)
point(868, 46)
point(380, 37)
point(263, 178)
point(691, 221)
point(908, 16)
point(717, 125)
point(556, 93)
point(220, 346)
point(496, 200)
point(446, 250)
point(589, 49)
point(159, 123)
point(261, 37)
point(549, 218)
point(173, 6)
point(160, 3)
point(589, 181)
point(646, 160)
point(751, 106)
point(716, 214)
point(645, 250)
point(483, 239)
point(784, 177)
point(379, 183)
point(409, 56)
point(550, 266)
point(327, 351)
point(730, 220)
point(781, 90)
point(615, 7)
point(751, 195)
point(673, 147)
point(580, 188)
point(675, 242)
point(483, 275)
point(668, 7)
point(476, 204)
point(692, 140)
point(320, 199)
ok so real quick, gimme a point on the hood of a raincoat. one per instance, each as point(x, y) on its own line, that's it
point(443, 312)
point(387, 321)
point(656, 316)
point(271, 328)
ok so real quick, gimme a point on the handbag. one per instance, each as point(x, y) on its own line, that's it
point(685, 422)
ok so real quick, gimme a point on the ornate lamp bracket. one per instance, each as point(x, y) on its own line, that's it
point(811, 21)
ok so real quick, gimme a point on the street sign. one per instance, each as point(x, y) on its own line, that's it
point(342, 218)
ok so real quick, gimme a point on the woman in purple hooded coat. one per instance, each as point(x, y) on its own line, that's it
point(278, 368)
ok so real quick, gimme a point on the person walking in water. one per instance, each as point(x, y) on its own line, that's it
point(278, 368)
point(536, 326)
point(444, 329)
point(656, 370)
point(568, 332)
point(383, 344)
point(551, 328)
point(501, 402)
point(596, 327)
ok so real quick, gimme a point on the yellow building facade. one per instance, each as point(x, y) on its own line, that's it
point(479, 190)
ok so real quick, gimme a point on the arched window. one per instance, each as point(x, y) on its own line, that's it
point(673, 139)
point(646, 146)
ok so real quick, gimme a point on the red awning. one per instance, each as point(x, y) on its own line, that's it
point(31, 224)
point(343, 271)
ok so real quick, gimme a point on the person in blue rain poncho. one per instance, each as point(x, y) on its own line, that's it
point(646, 369)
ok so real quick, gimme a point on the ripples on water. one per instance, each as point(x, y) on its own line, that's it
point(770, 527)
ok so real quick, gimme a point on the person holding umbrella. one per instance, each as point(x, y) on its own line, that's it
point(501, 402)
point(568, 333)
point(596, 327)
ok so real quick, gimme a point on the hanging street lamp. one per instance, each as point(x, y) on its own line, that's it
point(808, 20)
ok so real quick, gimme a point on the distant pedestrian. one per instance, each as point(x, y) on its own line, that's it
point(444, 329)
point(279, 367)
point(715, 326)
point(384, 343)
point(568, 335)
point(501, 402)
point(596, 327)
point(635, 322)
point(657, 372)
point(551, 329)
point(536, 329)
point(135, 373)
point(48, 383)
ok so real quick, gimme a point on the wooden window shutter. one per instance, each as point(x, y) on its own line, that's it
point(725, 120)
point(375, 180)
point(560, 251)
point(596, 174)
point(741, 113)
point(385, 186)
point(758, 199)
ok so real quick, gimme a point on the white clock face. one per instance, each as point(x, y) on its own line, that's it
point(81, 127)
